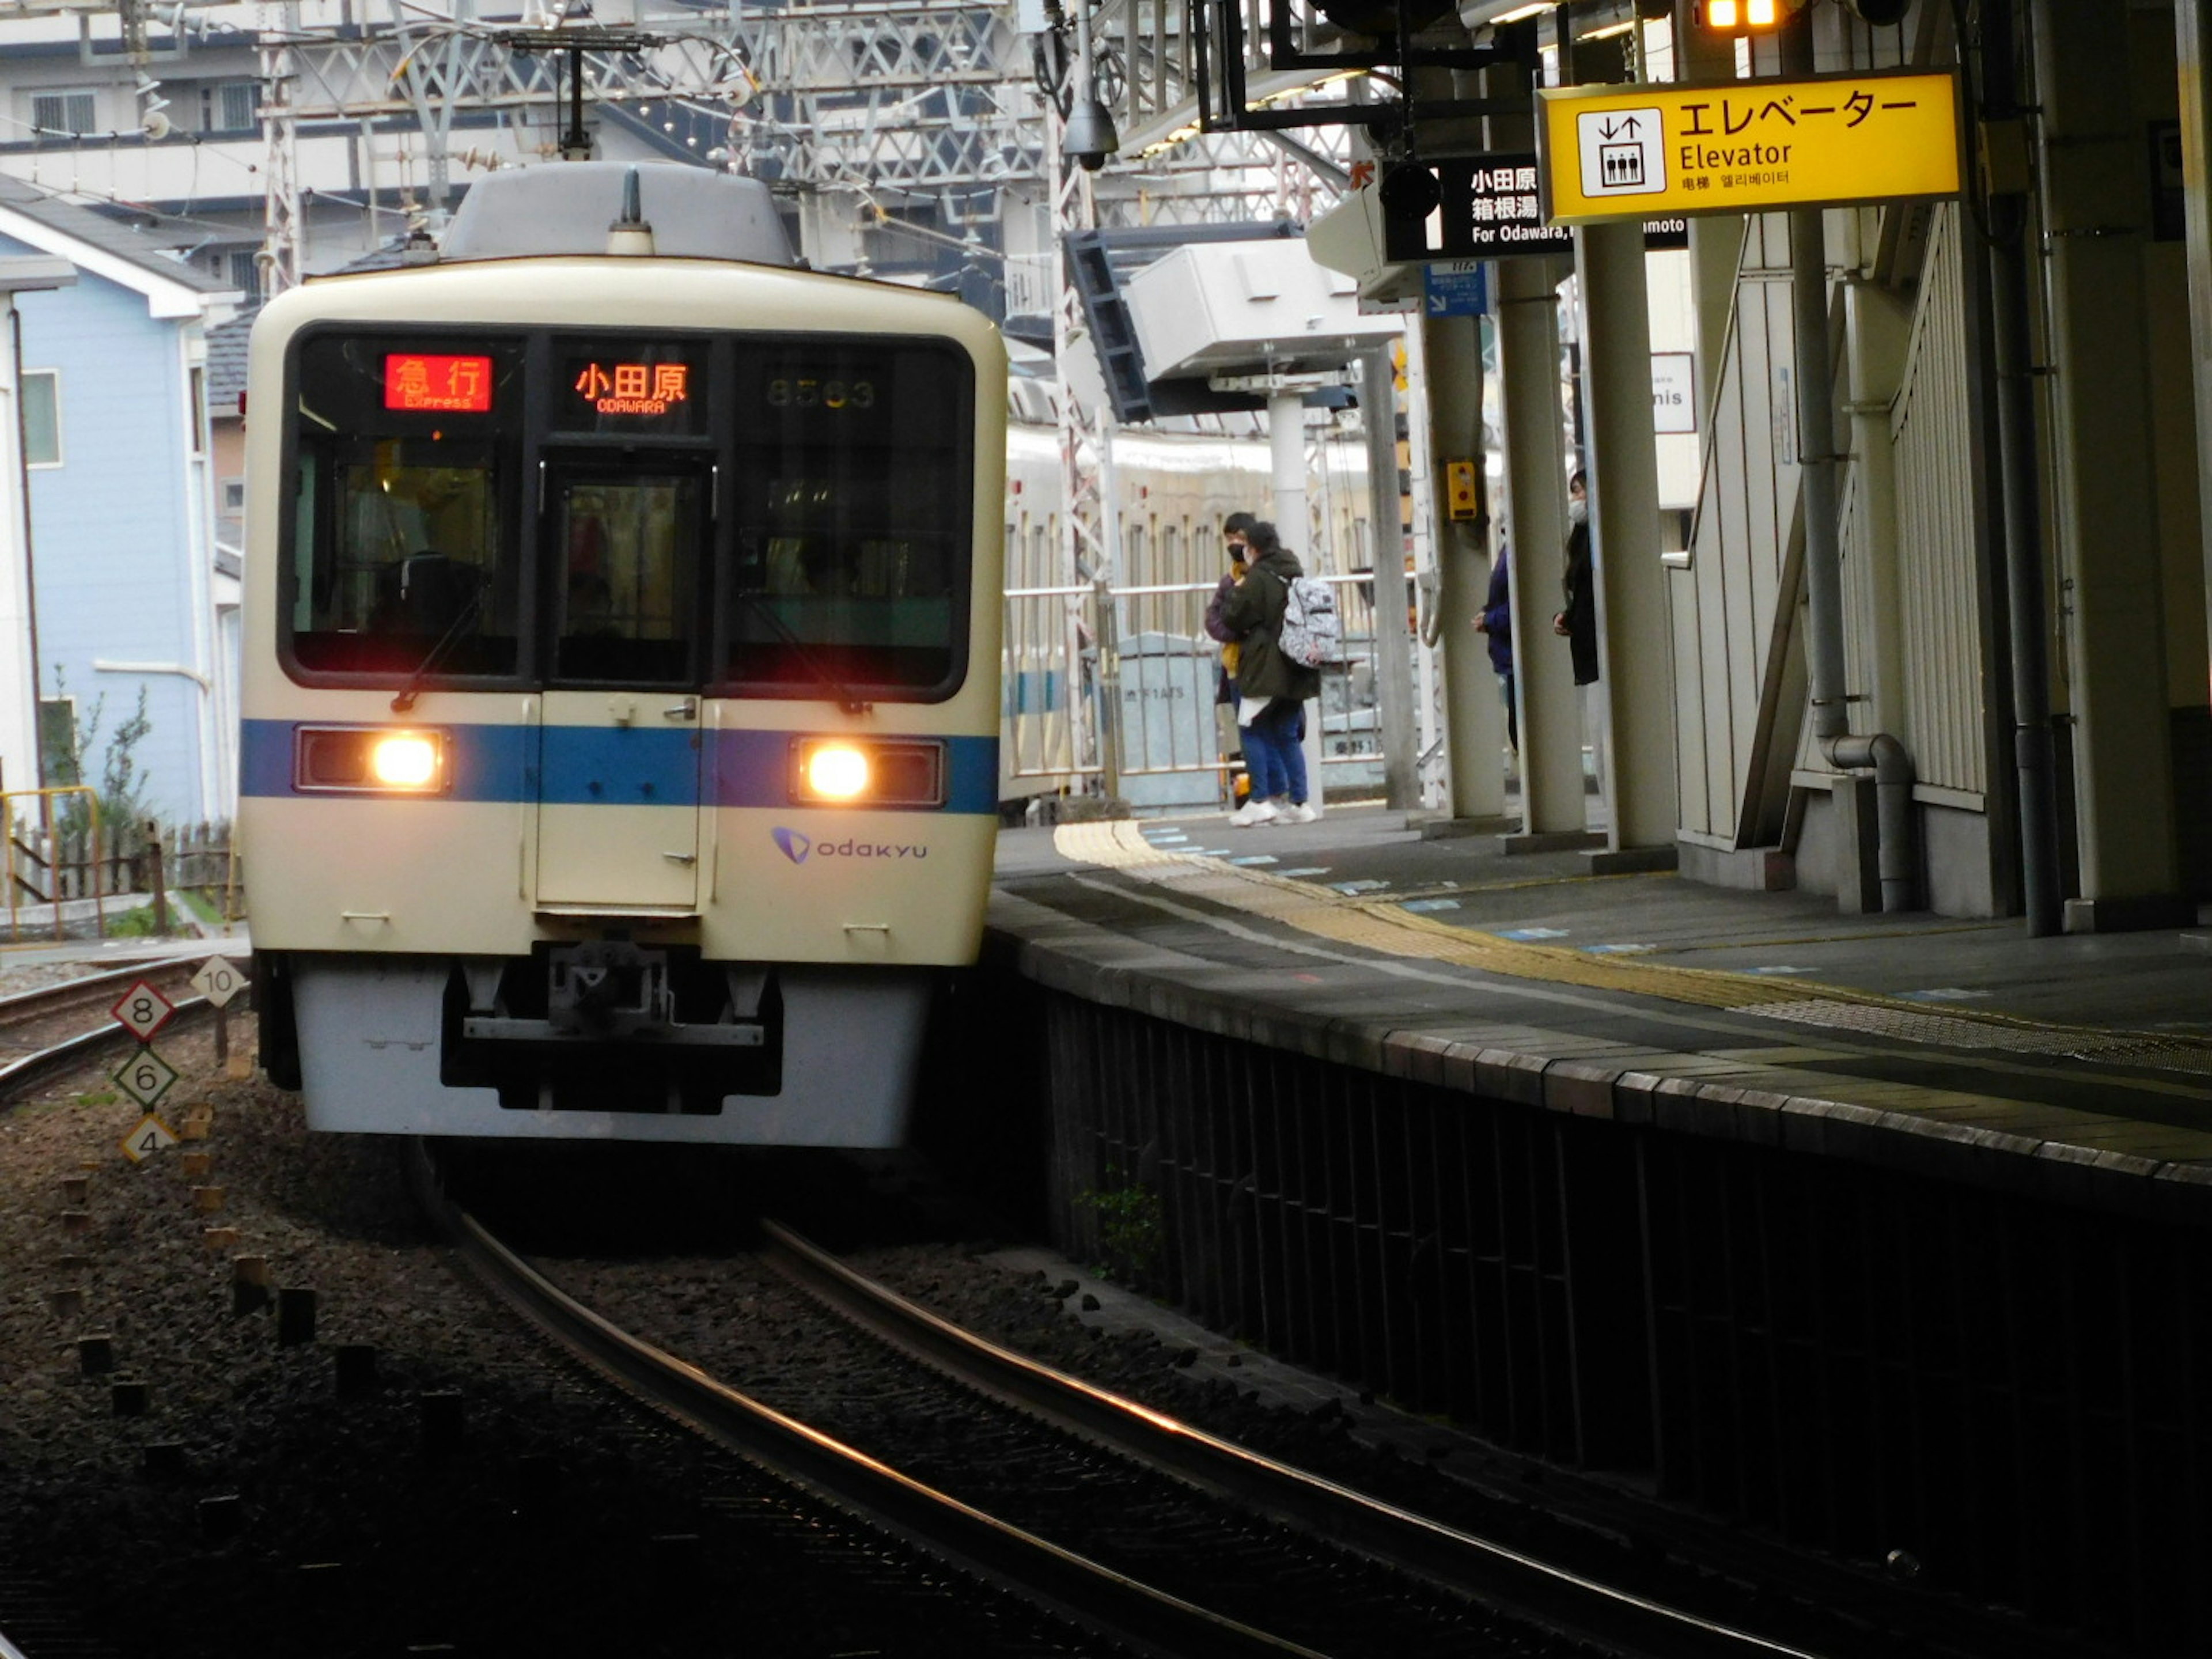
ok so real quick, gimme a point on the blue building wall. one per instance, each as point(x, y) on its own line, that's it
point(112, 525)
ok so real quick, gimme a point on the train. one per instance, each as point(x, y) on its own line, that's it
point(621, 686)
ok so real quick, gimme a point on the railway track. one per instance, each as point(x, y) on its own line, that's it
point(1136, 1529)
point(44, 1033)
point(47, 1030)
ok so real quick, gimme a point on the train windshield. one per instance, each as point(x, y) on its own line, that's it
point(402, 544)
point(853, 493)
point(785, 516)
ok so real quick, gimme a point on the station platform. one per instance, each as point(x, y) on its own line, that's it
point(2077, 1069)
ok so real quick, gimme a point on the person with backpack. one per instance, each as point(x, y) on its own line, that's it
point(1273, 686)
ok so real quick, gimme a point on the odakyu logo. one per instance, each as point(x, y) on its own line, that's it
point(797, 847)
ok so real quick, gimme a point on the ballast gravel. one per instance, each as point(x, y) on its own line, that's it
point(476, 1497)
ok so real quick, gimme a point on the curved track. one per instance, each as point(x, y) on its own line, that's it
point(1325, 1569)
point(36, 1027)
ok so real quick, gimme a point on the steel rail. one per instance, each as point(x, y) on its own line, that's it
point(1506, 1581)
point(1092, 1598)
point(54, 997)
point(18, 1073)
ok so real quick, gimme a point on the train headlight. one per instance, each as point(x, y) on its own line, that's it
point(867, 772)
point(372, 760)
point(836, 771)
point(405, 760)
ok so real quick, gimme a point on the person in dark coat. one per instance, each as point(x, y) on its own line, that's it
point(1233, 530)
point(1579, 622)
point(1496, 625)
point(1272, 691)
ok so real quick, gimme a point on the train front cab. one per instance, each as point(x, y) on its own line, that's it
point(625, 666)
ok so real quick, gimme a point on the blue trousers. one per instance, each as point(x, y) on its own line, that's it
point(1273, 753)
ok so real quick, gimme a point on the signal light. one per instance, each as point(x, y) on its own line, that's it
point(1742, 16)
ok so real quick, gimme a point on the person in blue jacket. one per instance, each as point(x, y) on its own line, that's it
point(1496, 625)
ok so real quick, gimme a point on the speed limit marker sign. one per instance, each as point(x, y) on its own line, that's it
point(151, 1135)
point(142, 1011)
point(145, 1077)
point(219, 980)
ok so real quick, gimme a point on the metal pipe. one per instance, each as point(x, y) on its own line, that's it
point(2034, 757)
point(30, 563)
point(1824, 566)
point(1892, 766)
point(1386, 539)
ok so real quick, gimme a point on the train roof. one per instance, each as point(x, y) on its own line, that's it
point(568, 207)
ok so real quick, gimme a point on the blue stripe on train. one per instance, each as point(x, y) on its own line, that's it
point(599, 765)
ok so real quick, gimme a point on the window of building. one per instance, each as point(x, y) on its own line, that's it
point(64, 113)
point(57, 740)
point(241, 268)
point(197, 413)
point(233, 495)
point(230, 106)
point(42, 417)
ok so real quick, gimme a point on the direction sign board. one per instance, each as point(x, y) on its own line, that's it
point(1485, 206)
point(149, 1135)
point(145, 1077)
point(142, 1011)
point(219, 980)
point(1455, 287)
point(1745, 146)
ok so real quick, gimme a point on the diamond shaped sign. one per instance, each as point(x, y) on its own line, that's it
point(142, 1011)
point(151, 1135)
point(219, 980)
point(145, 1077)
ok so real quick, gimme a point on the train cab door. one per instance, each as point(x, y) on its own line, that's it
point(620, 759)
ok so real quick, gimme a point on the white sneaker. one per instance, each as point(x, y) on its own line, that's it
point(1252, 812)
point(1301, 813)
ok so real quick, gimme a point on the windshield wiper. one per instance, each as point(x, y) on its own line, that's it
point(846, 700)
point(444, 643)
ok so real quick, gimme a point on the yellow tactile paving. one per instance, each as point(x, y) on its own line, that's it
point(1381, 924)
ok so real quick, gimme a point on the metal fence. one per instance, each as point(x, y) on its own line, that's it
point(1119, 684)
point(62, 864)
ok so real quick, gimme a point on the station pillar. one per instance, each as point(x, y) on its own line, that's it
point(1635, 691)
point(1287, 448)
point(1553, 802)
point(2108, 525)
point(1474, 713)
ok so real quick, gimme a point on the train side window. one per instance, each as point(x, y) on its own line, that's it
point(402, 548)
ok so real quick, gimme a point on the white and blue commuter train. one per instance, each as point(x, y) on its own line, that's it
point(621, 691)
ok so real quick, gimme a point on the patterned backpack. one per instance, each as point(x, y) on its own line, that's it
point(1312, 636)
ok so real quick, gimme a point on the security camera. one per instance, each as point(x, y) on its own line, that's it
point(1089, 138)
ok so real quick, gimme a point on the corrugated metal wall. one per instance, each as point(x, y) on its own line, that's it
point(1738, 668)
point(1930, 427)
point(1728, 600)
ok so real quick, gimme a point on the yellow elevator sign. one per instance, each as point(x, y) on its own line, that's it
point(1648, 152)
